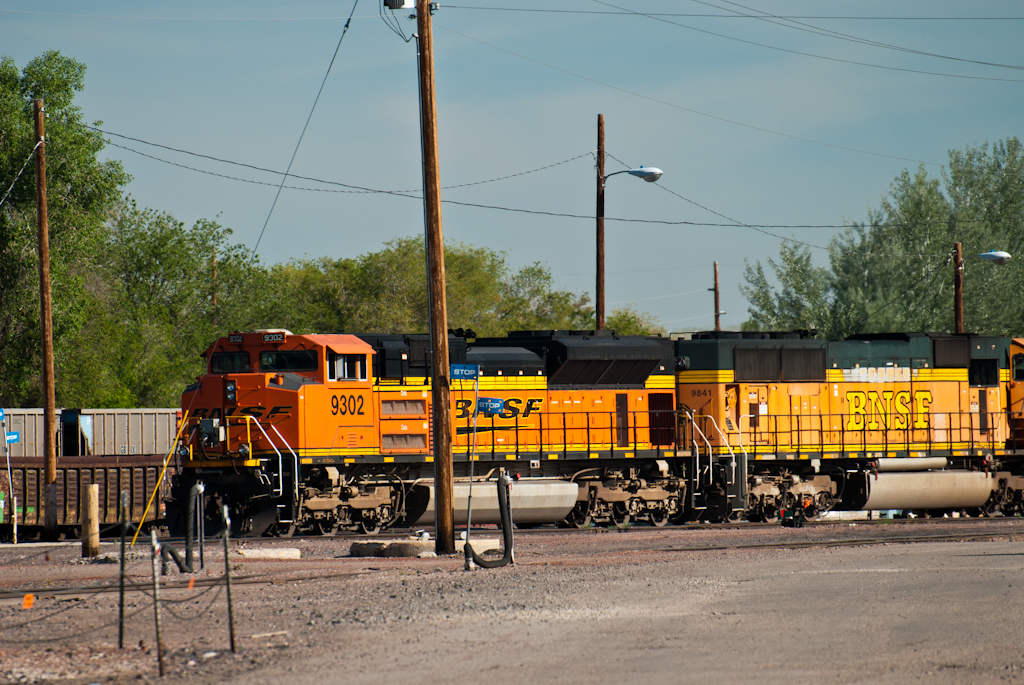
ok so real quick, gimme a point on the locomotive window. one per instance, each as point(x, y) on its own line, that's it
point(288, 360)
point(983, 372)
point(346, 367)
point(229, 362)
point(1018, 367)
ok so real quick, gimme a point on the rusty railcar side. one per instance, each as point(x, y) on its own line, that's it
point(137, 475)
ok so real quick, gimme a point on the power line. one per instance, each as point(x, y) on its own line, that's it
point(357, 189)
point(828, 33)
point(308, 119)
point(809, 54)
point(354, 189)
point(660, 297)
point(686, 109)
point(20, 172)
point(501, 9)
point(738, 223)
point(727, 16)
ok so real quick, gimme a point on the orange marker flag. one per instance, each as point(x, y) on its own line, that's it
point(28, 601)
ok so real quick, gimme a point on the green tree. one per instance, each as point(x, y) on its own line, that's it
point(152, 312)
point(894, 272)
point(386, 291)
point(81, 191)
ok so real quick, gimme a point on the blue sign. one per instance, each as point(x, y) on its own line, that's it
point(13, 437)
point(1, 413)
point(465, 372)
point(490, 405)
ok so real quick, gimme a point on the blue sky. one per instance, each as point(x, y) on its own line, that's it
point(759, 135)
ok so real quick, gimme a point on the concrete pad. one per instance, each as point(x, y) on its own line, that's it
point(414, 548)
point(270, 553)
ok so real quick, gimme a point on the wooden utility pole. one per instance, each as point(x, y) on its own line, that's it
point(599, 289)
point(718, 309)
point(444, 485)
point(958, 288)
point(46, 325)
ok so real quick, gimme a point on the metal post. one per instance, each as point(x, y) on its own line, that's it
point(46, 326)
point(156, 603)
point(227, 573)
point(124, 535)
point(444, 483)
point(958, 288)
point(718, 309)
point(599, 288)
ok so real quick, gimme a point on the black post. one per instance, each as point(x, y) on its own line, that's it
point(156, 604)
point(124, 534)
point(227, 574)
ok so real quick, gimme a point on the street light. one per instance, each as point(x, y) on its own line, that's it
point(649, 174)
point(997, 257)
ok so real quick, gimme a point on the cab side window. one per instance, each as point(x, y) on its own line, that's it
point(346, 367)
point(1018, 367)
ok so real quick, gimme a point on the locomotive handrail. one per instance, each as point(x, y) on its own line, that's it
point(295, 457)
point(280, 459)
point(939, 430)
point(732, 461)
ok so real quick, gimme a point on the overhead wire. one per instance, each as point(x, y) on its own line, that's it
point(809, 54)
point(719, 214)
point(20, 172)
point(406, 194)
point(829, 33)
point(727, 16)
point(502, 9)
point(306, 126)
point(685, 109)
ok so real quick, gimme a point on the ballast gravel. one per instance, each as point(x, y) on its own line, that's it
point(653, 605)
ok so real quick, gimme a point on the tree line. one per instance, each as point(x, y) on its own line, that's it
point(138, 295)
point(894, 271)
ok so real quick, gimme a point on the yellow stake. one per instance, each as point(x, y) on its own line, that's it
point(167, 461)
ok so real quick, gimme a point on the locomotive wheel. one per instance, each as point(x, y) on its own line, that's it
point(659, 517)
point(580, 516)
point(369, 526)
point(620, 515)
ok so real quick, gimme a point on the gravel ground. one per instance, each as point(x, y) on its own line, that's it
point(578, 606)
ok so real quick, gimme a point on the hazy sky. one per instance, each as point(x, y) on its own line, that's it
point(769, 122)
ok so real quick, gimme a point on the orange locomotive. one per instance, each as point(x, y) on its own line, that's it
point(321, 432)
point(327, 432)
point(890, 421)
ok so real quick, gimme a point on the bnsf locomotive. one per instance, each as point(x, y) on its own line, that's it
point(316, 433)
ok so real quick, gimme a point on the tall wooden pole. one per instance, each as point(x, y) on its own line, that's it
point(444, 485)
point(46, 326)
point(718, 309)
point(958, 288)
point(599, 289)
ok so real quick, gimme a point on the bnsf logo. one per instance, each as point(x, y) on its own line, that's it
point(888, 409)
point(255, 412)
point(273, 337)
point(513, 408)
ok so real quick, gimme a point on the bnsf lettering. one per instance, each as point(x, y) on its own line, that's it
point(255, 412)
point(513, 408)
point(888, 409)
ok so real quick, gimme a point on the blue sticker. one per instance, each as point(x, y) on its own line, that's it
point(13, 436)
point(490, 405)
point(465, 372)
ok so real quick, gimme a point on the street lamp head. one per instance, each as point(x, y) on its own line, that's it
point(996, 256)
point(649, 174)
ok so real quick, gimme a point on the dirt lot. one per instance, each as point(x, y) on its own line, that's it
point(643, 604)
